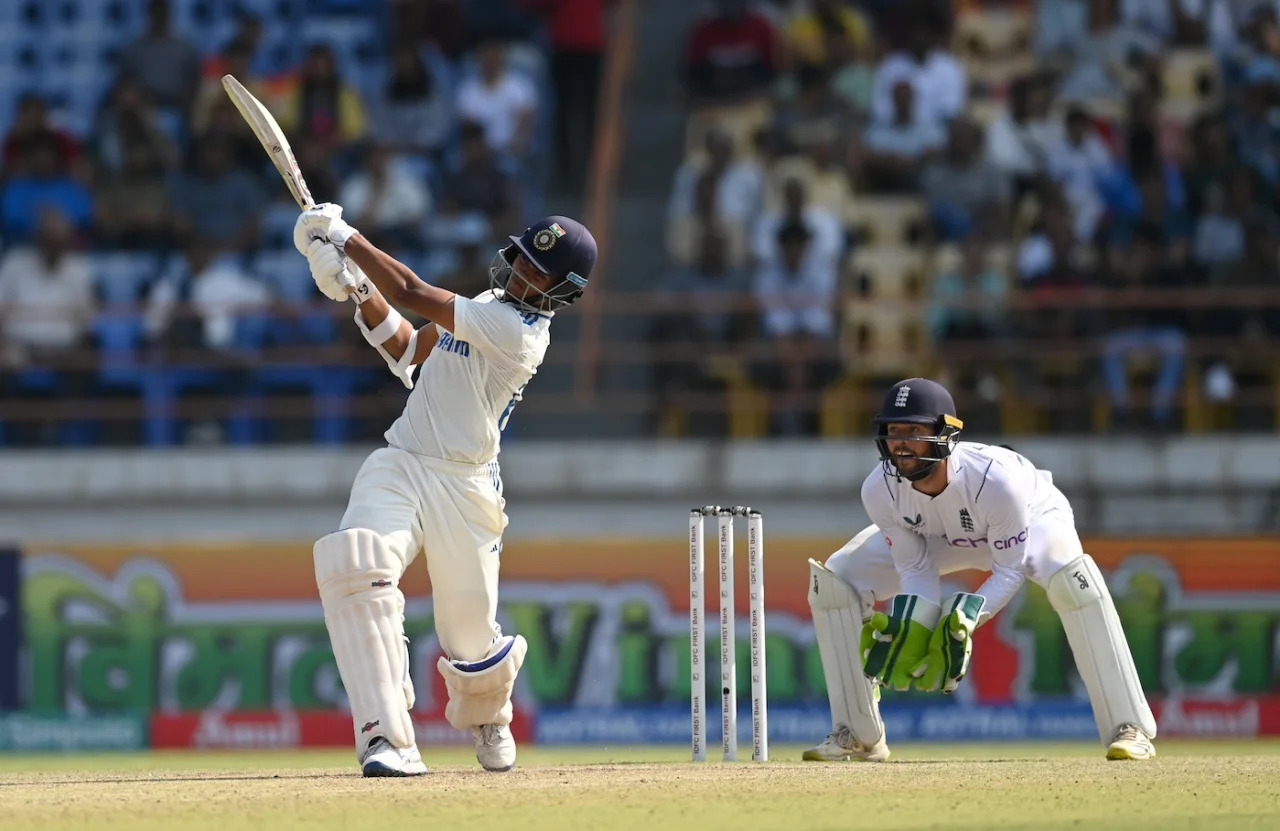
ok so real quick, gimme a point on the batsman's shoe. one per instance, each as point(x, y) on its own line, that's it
point(385, 760)
point(841, 746)
point(1130, 742)
point(495, 747)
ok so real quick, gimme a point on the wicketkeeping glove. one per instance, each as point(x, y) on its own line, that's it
point(951, 645)
point(894, 644)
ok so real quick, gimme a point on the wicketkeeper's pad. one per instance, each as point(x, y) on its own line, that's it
point(358, 573)
point(480, 691)
point(1088, 614)
point(837, 620)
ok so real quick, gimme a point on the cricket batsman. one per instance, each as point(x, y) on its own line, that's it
point(942, 505)
point(435, 488)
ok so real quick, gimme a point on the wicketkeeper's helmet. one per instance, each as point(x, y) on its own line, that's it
point(918, 401)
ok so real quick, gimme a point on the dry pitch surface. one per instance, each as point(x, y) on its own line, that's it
point(1193, 785)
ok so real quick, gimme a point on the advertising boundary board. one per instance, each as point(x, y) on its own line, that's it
point(224, 644)
point(10, 627)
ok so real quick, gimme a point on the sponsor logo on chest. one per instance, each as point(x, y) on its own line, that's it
point(448, 343)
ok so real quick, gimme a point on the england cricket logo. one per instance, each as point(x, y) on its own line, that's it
point(901, 400)
point(966, 521)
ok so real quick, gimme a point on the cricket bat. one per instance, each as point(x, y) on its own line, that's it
point(272, 138)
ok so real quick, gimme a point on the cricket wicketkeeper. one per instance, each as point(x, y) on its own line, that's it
point(942, 505)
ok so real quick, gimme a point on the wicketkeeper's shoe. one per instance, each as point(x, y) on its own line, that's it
point(1129, 742)
point(495, 747)
point(384, 760)
point(841, 746)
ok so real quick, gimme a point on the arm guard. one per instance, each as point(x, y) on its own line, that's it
point(403, 366)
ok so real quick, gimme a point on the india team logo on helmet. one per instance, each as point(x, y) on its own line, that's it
point(546, 239)
point(556, 246)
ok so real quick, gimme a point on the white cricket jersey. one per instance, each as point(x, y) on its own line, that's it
point(993, 497)
point(471, 380)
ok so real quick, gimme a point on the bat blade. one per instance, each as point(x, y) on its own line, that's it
point(271, 137)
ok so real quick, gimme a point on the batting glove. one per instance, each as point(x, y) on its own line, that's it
point(895, 644)
point(323, 222)
point(951, 645)
point(335, 275)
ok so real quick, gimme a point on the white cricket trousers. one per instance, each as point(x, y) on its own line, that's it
point(452, 513)
point(866, 561)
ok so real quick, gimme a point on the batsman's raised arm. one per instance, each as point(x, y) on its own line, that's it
point(395, 280)
point(402, 346)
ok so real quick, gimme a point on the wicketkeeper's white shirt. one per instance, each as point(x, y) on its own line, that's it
point(471, 381)
point(993, 499)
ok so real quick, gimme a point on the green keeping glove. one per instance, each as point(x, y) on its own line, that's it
point(894, 644)
point(947, 659)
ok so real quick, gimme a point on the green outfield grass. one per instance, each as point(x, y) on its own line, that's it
point(1192, 785)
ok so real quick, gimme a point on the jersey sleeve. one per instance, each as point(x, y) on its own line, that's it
point(916, 572)
point(1008, 516)
point(493, 328)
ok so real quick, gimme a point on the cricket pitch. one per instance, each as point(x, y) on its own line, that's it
point(1191, 785)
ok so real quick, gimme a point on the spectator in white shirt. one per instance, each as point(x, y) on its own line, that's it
point(46, 296)
point(413, 115)
point(827, 236)
point(1105, 58)
point(941, 87)
point(796, 294)
point(686, 232)
point(1182, 22)
point(739, 182)
point(1018, 141)
point(964, 191)
point(796, 289)
point(1078, 162)
point(896, 149)
point(221, 295)
point(503, 101)
point(46, 306)
point(387, 199)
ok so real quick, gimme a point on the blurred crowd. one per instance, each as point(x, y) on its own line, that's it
point(1066, 209)
point(144, 229)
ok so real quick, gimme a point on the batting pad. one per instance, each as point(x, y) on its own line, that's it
point(358, 575)
point(1082, 601)
point(480, 691)
point(837, 620)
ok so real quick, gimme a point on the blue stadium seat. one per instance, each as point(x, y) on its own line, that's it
point(290, 280)
point(19, 55)
point(77, 88)
point(197, 18)
point(122, 276)
point(120, 19)
point(286, 272)
point(331, 389)
point(40, 381)
point(122, 368)
point(275, 227)
point(119, 334)
point(284, 11)
point(27, 16)
point(10, 16)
